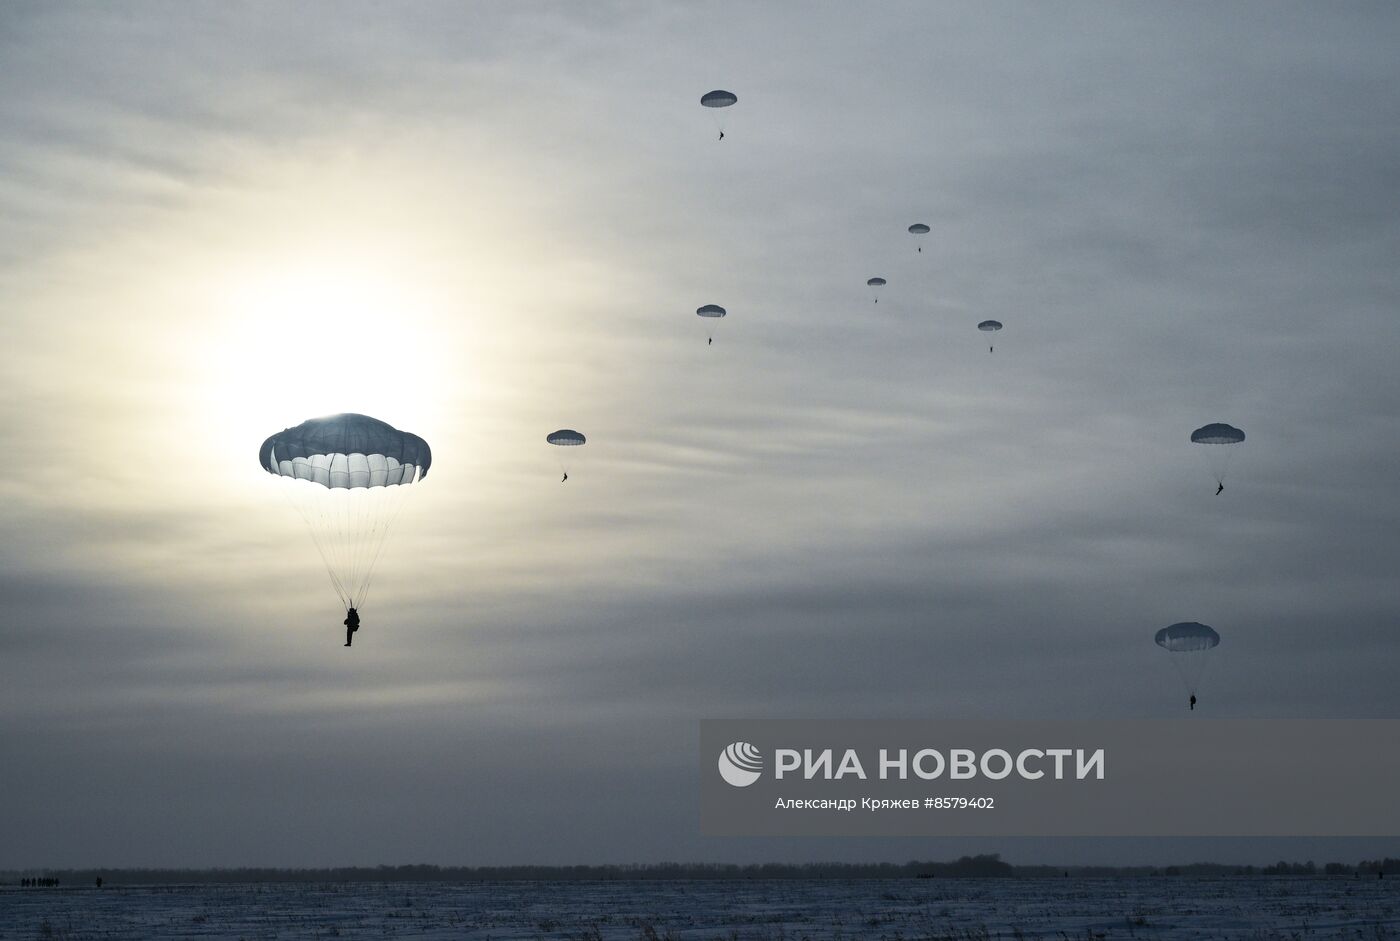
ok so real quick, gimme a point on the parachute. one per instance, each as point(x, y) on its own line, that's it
point(565, 438)
point(1219, 439)
point(918, 229)
point(711, 312)
point(347, 476)
point(718, 99)
point(989, 326)
point(1189, 643)
point(875, 284)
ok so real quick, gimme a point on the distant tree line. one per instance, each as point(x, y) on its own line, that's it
point(967, 867)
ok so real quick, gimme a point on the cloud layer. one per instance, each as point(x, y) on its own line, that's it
point(483, 223)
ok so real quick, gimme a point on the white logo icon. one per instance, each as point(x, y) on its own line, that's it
point(740, 764)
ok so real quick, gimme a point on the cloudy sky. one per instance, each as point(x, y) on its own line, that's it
point(482, 222)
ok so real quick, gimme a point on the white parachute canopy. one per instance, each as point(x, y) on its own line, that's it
point(346, 475)
point(1220, 442)
point(1189, 643)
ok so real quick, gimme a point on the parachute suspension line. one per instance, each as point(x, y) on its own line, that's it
point(376, 525)
point(294, 499)
point(350, 521)
point(304, 511)
point(327, 517)
point(332, 516)
point(346, 513)
point(349, 528)
point(347, 519)
point(1191, 667)
point(353, 515)
point(386, 522)
point(1222, 465)
point(310, 502)
point(359, 513)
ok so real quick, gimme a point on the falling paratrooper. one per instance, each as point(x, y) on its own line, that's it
point(875, 284)
point(711, 312)
point(347, 475)
point(1220, 440)
point(719, 98)
point(565, 438)
point(1188, 642)
point(989, 326)
point(918, 230)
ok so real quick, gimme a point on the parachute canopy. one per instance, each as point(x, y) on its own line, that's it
point(566, 438)
point(346, 451)
point(710, 310)
point(877, 282)
point(1217, 433)
point(718, 98)
point(1187, 637)
point(918, 228)
point(989, 326)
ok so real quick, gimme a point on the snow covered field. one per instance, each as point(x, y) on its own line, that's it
point(1167, 908)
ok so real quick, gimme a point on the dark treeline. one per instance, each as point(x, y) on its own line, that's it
point(989, 866)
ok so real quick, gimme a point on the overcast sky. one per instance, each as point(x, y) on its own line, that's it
point(483, 222)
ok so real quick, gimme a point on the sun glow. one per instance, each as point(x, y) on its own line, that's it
point(379, 284)
point(323, 337)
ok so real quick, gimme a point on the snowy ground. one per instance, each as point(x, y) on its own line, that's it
point(907, 910)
